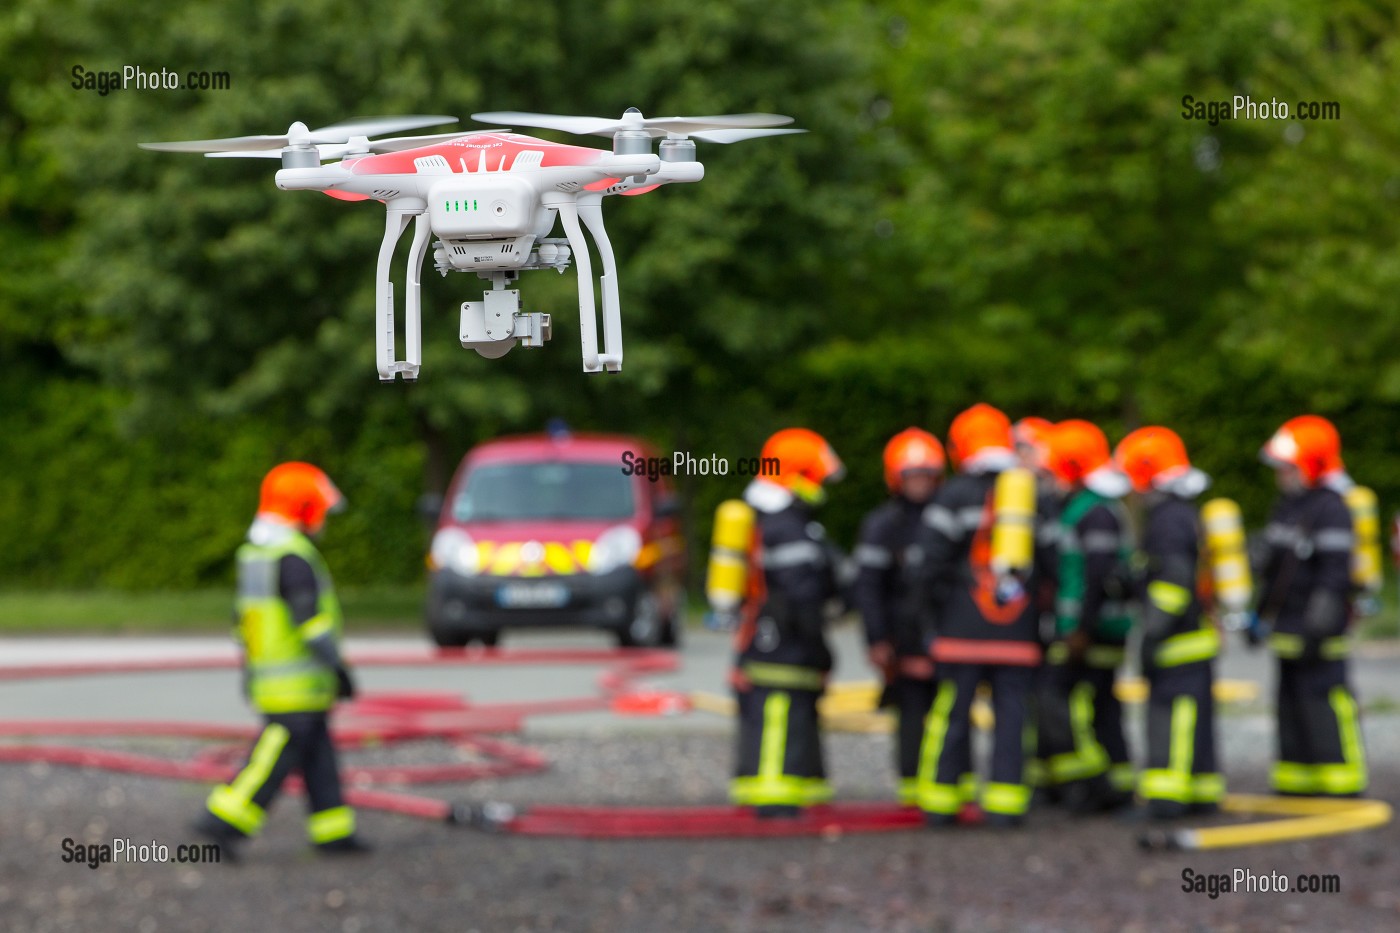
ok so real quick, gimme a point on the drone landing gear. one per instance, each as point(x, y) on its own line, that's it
point(589, 209)
point(386, 330)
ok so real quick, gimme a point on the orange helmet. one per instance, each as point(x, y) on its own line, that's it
point(1150, 456)
point(1074, 449)
point(911, 449)
point(980, 428)
point(805, 462)
point(299, 493)
point(1030, 435)
point(1308, 442)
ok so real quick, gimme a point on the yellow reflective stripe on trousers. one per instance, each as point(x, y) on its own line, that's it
point(1011, 799)
point(1183, 749)
point(239, 812)
point(784, 790)
point(771, 786)
point(1292, 777)
point(773, 747)
point(908, 791)
point(1350, 776)
point(1207, 788)
point(1121, 776)
point(967, 787)
point(790, 676)
point(1089, 758)
point(330, 825)
point(1174, 781)
point(1201, 645)
point(261, 761)
point(932, 796)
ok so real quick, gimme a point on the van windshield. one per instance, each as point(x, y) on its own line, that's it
point(537, 491)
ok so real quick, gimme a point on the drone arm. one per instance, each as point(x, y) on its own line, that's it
point(590, 209)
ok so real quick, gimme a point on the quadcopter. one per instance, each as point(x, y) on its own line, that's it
point(491, 197)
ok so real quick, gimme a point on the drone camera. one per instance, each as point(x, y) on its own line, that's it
point(495, 324)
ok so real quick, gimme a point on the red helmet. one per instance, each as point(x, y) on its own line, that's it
point(911, 449)
point(979, 428)
point(1075, 449)
point(805, 462)
point(1308, 442)
point(299, 493)
point(1150, 456)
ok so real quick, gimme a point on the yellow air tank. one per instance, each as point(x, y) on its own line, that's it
point(727, 574)
point(1013, 522)
point(1225, 552)
point(1366, 572)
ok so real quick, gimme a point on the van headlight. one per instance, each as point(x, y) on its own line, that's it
point(616, 547)
point(453, 549)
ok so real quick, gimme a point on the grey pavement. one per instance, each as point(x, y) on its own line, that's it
point(703, 661)
point(213, 695)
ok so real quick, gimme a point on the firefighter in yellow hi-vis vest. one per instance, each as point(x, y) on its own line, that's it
point(289, 622)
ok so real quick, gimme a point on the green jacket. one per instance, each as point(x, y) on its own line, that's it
point(1094, 553)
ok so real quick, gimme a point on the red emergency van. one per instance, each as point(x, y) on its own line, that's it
point(557, 530)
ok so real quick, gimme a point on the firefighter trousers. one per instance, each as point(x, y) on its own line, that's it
point(1181, 772)
point(779, 751)
point(946, 754)
point(1320, 750)
point(913, 697)
point(1080, 731)
point(289, 742)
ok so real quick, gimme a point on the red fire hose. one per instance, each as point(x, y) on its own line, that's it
point(387, 718)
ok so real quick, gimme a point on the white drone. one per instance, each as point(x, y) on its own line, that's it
point(491, 198)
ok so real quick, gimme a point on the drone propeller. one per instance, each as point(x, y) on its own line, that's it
point(632, 121)
point(298, 135)
point(357, 145)
point(739, 135)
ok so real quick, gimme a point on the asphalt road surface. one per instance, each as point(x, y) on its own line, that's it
point(1056, 874)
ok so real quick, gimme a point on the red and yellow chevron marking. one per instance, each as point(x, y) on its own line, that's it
point(506, 558)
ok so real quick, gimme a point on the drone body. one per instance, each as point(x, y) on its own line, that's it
point(492, 198)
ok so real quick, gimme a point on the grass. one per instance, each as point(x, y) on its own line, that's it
point(208, 611)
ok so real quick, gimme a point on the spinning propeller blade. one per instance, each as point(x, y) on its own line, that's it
point(298, 135)
point(633, 121)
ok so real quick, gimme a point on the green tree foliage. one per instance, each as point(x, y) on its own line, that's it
point(997, 200)
point(213, 305)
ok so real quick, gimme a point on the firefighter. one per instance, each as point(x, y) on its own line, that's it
point(1031, 435)
point(1179, 642)
point(1082, 720)
point(913, 461)
point(980, 626)
point(782, 658)
point(1305, 593)
point(289, 623)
